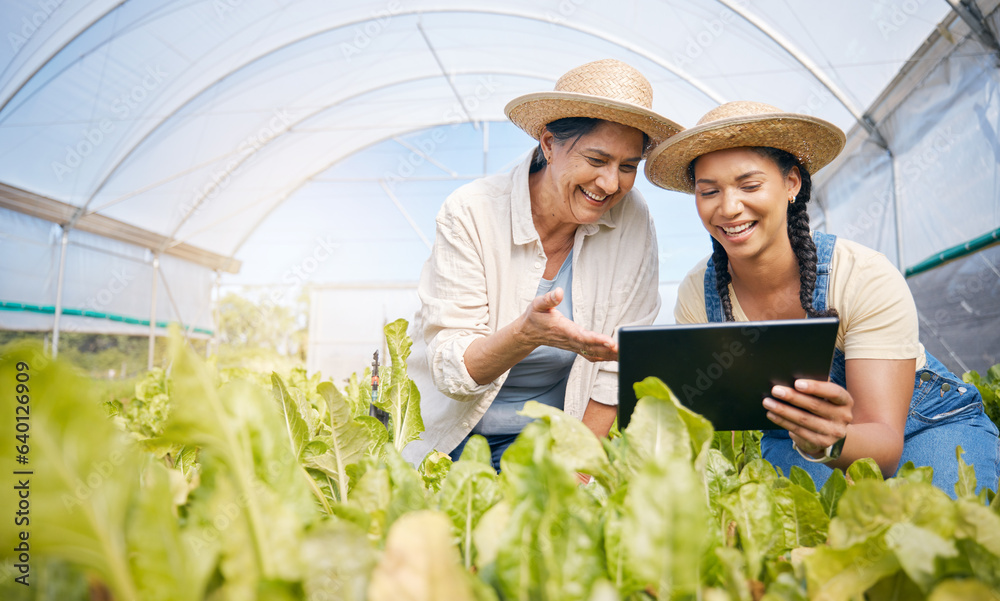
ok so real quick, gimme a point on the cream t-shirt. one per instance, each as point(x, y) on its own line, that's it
point(878, 318)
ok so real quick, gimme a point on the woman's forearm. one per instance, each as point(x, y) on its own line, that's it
point(599, 417)
point(875, 440)
point(881, 390)
point(489, 357)
point(541, 324)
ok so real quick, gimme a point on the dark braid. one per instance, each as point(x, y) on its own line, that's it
point(722, 278)
point(798, 234)
point(805, 247)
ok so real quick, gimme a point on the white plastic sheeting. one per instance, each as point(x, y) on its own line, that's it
point(959, 308)
point(107, 285)
point(945, 142)
point(195, 119)
point(283, 133)
point(946, 147)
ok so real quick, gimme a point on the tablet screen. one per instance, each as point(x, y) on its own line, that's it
point(724, 370)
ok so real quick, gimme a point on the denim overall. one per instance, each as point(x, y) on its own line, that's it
point(944, 411)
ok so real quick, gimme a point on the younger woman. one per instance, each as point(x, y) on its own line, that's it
point(749, 166)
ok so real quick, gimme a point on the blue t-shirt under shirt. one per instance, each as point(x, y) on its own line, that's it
point(541, 376)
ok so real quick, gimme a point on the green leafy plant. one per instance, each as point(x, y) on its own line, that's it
point(268, 486)
point(400, 397)
point(989, 388)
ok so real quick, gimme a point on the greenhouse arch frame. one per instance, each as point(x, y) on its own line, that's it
point(155, 154)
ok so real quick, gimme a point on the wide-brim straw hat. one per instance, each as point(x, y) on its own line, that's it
point(813, 141)
point(606, 89)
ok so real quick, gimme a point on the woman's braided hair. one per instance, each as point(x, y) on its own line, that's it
point(798, 235)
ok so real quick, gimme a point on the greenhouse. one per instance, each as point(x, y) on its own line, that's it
point(217, 212)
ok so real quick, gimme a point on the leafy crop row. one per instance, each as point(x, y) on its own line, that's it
point(229, 485)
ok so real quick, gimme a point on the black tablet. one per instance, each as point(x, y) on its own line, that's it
point(724, 370)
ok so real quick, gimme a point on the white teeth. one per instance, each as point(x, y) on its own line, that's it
point(593, 197)
point(732, 231)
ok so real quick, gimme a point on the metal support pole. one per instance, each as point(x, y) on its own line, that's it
point(405, 214)
point(152, 314)
point(425, 156)
point(447, 77)
point(486, 146)
point(970, 13)
point(216, 313)
point(173, 305)
point(897, 190)
point(59, 292)
point(823, 210)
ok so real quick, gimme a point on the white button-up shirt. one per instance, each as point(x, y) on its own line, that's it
point(483, 273)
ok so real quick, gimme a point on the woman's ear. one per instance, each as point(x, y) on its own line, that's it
point(547, 143)
point(793, 182)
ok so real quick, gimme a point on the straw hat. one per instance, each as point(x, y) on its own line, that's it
point(813, 141)
point(606, 89)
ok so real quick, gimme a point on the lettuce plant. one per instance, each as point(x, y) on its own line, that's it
point(233, 485)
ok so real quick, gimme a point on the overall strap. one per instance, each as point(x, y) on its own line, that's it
point(824, 257)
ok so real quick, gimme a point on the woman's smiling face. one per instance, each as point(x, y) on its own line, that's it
point(592, 173)
point(742, 199)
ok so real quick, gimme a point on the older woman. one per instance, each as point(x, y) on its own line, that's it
point(749, 167)
point(532, 270)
